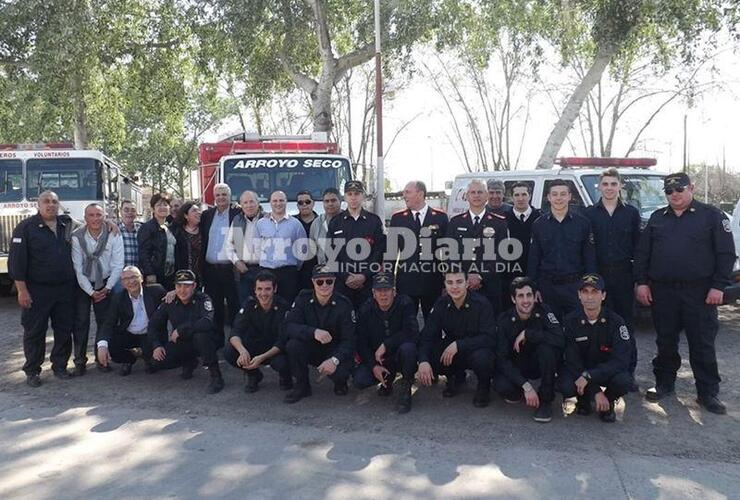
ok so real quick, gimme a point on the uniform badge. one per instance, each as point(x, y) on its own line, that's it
point(726, 225)
point(433, 227)
point(581, 339)
point(552, 318)
point(354, 318)
point(488, 232)
point(624, 334)
point(241, 311)
point(17, 240)
point(208, 305)
point(591, 238)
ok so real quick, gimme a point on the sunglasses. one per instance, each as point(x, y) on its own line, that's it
point(328, 282)
point(304, 202)
point(670, 191)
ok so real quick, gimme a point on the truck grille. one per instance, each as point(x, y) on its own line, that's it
point(7, 225)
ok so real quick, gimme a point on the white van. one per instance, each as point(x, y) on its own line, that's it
point(643, 187)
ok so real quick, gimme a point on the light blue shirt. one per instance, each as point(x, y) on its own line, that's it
point(216, 253)
point(275, 241)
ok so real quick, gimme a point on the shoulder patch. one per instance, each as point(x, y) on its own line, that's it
point(208, 305)
point(624, 333)
point(725, 225)
point(551, 317)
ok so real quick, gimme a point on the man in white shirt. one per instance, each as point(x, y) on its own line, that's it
point(125, 328)
point(97, 256)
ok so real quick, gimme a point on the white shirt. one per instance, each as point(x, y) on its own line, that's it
point(422, 213)
point(140, 321)
point(111, 260)
point(480, 215)
point(526, 213)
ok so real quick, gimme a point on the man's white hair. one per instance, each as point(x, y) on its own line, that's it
point(222, 185)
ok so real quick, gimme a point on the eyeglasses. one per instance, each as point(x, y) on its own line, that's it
point(669, 191)
point(328, 282)
point(301, 203)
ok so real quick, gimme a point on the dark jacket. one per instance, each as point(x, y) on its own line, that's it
point(392, 327)
point(542, 327)
point(206, 219)
point(184, 252)
point(337, 317)
point(120, 311)
point(411, 276)
point(603, 348)
point(263, 328)
point(473, 326)
point(491, 226)
point(188, 319)
point(152, 240)
point(37, 255)
point(369, 227)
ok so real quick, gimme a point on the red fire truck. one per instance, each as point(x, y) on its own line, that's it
point(264, 164)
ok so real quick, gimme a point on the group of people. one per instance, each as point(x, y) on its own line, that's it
point(508, 292)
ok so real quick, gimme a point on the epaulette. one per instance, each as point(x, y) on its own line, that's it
point(503, 217)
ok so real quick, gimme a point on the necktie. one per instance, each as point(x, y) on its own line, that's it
point(521, 217)
point(417, 219)
point(476, 221)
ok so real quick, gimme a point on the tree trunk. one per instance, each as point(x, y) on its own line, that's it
point(80, 113)
point(573, 107)
point(321, 98)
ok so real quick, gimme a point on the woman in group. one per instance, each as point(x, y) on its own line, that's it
point(157, 245)
point(189, 248)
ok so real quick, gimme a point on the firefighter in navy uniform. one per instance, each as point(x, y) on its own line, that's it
point(562, 251)
point(320, 331)
point(256, 337)
point(597, 352)
point(193, 334)
point(417, 276)
point(616, 228)
point(354, 276)
point(682, 265)
point(387, 334)
point(485, 228)
point(40, 263)
point(530, 346)
point(459, 334)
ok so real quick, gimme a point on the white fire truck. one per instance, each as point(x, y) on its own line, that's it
point(79, 177)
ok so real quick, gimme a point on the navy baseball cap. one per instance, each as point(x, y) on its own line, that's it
point(322, 271)
point(593, 280)
point(354, 186)
point(679, 179)
point(383, 280)
point(185, 277)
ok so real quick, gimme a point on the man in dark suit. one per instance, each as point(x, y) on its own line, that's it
point(125, 327)
point(417, 276)
point(218, 272)
point(519, 221)
point(482, 231)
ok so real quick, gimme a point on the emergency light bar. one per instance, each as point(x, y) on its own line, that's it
point(31, 147)
point(584, 162)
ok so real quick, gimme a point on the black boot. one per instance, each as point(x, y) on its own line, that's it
point(608, 416)
point(217, 381)
point(285, 382)
point(583, 406)
point(299, 392)
point(658, 392)
point(482, 396)
point(188, 368)
point(403, 405)
point(253, 380)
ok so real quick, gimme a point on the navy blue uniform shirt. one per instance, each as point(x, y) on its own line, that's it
point(615, 235)
point(561, 248)
point(37, 255)
point(392, 327)
point(696, 246)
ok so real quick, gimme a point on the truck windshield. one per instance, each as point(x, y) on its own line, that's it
point(11, 180)
point(291, 174)
point(72, 179)
point(644, 192)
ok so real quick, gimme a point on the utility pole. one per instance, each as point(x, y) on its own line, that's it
point(380, 172)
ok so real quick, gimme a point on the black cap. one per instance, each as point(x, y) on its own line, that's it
point(593, 280)
point(322, 271)
point(354, 186)
point(185, 277)
point(679, 179)
point(383, 280)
